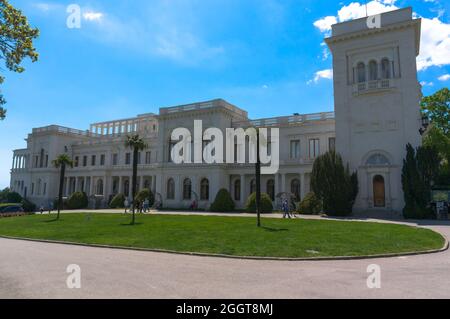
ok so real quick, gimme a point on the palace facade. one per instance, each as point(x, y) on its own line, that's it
point(376, 114)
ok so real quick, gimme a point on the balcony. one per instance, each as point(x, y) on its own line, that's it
point(373, 86)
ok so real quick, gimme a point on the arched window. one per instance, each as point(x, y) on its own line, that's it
point(271, 189)
point(373, 71)
point(295, 189)
point(204, 189)
point(378, 160)
point(385, 69)
point(187, 189)
point(237, 189)
point(170, 189)
point(147, 184)
point(361, 72)
point(100, 187)
point(253, 186)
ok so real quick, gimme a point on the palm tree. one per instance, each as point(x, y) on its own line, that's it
point(61, 162)
point(136, 143)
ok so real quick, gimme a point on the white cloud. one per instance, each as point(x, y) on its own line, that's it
point(444, 77)
point(425, 83)
point(435, 39)
point(324, 74)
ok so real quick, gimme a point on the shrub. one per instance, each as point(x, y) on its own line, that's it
point(310, 205)
point(145, 194)
point(78, 200)
point(13, 197)
point(266, 203)
point(117, 201)
point(28, 206)
point(334, 185)
point(223, 202)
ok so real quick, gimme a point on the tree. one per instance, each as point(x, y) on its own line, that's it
point(334, 185)
point(16, 42)
point(137, 144)
point(420, 171)
point(223, 202)
point(61, 162)
point(437, 108)
point(146, 194)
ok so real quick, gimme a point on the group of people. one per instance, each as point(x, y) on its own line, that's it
point(141, 206)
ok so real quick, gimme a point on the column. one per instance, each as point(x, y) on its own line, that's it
point(76, 184)
point(13, 162)
point(283, 183)
point(141, 183)
point(302, 186)
point(277, 185)
point(91, 186)
point(243, 199)
point(120, 185)
point(67, 186)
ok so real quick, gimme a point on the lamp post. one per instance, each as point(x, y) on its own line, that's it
point(425, 125)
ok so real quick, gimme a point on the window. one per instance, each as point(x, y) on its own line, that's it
point(41, 162)
point(271, 189)
point(46, 160)
point(361, 71)
point(295, 149)
point(139, 158)
point(148, 157)
point(373, 71)
point(237, 190)
point(314, 148)
point(187, 189)
point(77, 161)
point(127, 158)
point(252, 186)
point(44, 192)
point(85, 161)
point(102, 160)
point(332, 143)
point(32, 188)
point(36, 160)
point(170, 189)
point(204, 189)
point(295, 189)
point(385, 69)
point(378, 160)
point(115, 159)
point(93, 160)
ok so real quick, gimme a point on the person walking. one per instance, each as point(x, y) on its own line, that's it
point(286, 213)
point(126, 204)
point(146, 205)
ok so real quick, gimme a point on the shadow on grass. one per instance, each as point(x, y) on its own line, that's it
point(274, 230)
point(130, 224)
point(52, 221)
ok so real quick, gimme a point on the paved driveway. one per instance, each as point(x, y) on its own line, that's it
point(38, 270)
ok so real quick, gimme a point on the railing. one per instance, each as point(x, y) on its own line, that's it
point(374, 85)
point(202, 106)
point(64, 130)
point(286, 120)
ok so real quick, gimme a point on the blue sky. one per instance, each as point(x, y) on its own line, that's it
point(132, 57)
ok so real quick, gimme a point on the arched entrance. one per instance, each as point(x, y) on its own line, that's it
point(379, 191)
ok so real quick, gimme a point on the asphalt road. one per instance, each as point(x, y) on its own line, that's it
point(38, 270)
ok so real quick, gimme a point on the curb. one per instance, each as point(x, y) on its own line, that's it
point(334, 258)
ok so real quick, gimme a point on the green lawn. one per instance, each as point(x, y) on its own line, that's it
point(227, 235)
point(9, 204)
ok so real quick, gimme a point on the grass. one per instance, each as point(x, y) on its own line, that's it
point(237, 236)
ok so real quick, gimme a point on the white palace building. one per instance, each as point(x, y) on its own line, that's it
point(377, 113)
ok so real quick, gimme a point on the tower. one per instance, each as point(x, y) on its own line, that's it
point(377, 102)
